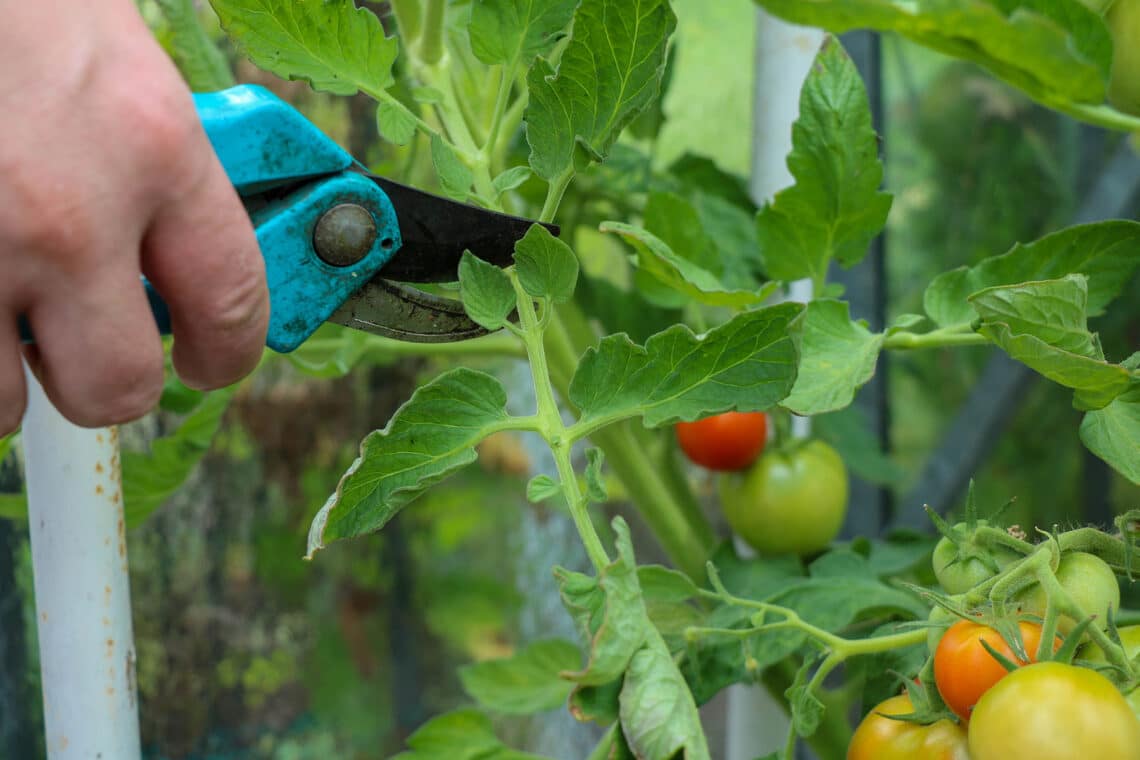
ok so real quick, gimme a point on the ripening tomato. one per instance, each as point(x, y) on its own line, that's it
point(729, 441)
point(1053, 711)
point(964, 670)
point(879, 737)
point(791, 501)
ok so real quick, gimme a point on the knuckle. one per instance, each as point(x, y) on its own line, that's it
point(239, 308)
point(36, 218)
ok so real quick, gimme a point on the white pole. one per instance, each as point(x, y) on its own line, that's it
point(756, 723)
point(82, 594)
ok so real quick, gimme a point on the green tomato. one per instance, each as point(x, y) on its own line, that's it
point(1088, 580)
point(959, 566)
point(1130, 640)
point(1123, 20)
point(788, 502)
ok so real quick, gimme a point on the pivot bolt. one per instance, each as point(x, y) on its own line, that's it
point(344, 234)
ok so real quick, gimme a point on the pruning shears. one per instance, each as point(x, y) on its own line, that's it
point(340, 243)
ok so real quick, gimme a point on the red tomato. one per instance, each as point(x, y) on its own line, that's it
point(729, 441)
point(964, 670)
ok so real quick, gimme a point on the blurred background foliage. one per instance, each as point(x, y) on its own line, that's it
point(247, 651)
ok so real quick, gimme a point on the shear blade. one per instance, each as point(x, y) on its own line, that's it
point(387, 308)
point(436, 231)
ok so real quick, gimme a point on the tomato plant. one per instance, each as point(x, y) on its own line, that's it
point(1053, 711)
point(1124, 88)
point(964, 669)
point(879, 737)
point(790, 501)
point(729, 441)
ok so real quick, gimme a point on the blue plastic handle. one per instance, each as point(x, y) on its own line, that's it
point(264, 144)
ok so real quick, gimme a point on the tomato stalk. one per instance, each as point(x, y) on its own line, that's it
point(955, 335)
point(430, 48)
point(552, 428)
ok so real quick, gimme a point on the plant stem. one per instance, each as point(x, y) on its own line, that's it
point(956, 335)
point(431, 44)
point(671, 512)
point(506, 82)
point(554, 192)
point(553, 429)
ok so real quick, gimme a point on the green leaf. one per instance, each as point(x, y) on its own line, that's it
point(460, 735)
point(620, 310)
point(747, 363)
point(395, 122)
point(541, 488)
point(333, 351)
point(199, 60)
point(1042, 325)
point(454, 176)
point(597, 704)
point(1053, 310)
point(595, 481)
point(849, 432)
point(510, 31)
point(1057, 52)
point(334, 46)
point(837, 357)
point(149, 479)
point(658, 715)
point(525, 683)
point(806, 707)
point(511, 178)
point(428, 438)
point(1113, 433)
point(675, 222)
point(688, 280)
point(835, 208)
point(546, 266)
point(905, 322)
point(13, 506)
point(487, 293)
point(1105, 252)
point(609, 613)
point(665, 584)
point(610, 71)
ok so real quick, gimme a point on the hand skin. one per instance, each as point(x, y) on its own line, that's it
point(106, 173)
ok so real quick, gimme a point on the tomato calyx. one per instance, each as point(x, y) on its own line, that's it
point(972, 552)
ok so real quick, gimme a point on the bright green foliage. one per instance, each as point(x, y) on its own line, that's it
point(595, 482)
point(460, 735)
point(431, 436)
point(510, 31)
point(837, 356)
point(1043, 325)
point(394, 122)
point(748, 363)
point(511, 178)
point(835, 208)
point(546, 266)
point(658, 715)
point(149, 479)
point(688, 279)
point(542, 487)
point(608, 74)
point(1113, 433)
point(334, 46)
point(488, 296)
point(454, 176)
point(527, 682)
point(199, 61)
point(1104, 252)
point(1057, 51)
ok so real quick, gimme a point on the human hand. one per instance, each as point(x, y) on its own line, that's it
point(106, 174)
